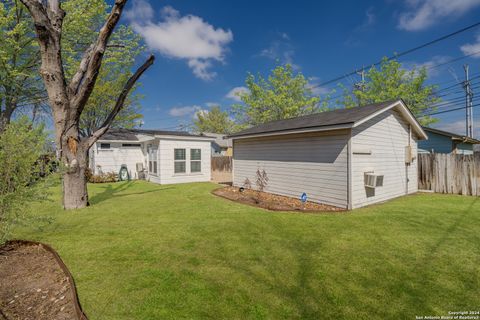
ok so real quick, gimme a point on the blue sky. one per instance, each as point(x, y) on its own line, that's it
point(204, 49)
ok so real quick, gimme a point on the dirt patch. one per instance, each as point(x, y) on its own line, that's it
point(35, 284)
point(272, 201)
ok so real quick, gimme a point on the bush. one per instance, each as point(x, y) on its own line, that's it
point(21, 147)
point(101, 178)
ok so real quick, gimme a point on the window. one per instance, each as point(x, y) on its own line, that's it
point(131, 145)
point(104, 146)
point(195, 160)
point(152, 160)
point(180, 161)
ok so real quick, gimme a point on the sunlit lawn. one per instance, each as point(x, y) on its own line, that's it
point(145, 251)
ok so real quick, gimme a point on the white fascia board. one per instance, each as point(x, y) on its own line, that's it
point(187, 138)
point(405, 112)
point(118, 141)
point(295, 131)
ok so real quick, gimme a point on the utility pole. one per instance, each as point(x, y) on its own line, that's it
point(361, 85)
point(468, 104)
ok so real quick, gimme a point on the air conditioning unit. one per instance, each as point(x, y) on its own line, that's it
point(373, 180)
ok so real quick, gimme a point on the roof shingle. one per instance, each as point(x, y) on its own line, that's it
point(322, 119)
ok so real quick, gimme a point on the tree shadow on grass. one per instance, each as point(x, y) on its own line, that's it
point(113, 190)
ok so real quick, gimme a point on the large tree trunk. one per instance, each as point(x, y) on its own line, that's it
point(73, 156)
point(75, 194)
point(68, 101)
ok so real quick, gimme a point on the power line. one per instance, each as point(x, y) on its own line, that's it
point(403, 53)
point(445, 111)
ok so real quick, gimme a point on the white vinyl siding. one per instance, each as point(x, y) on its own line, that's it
point(111, 159)
point(378, 145)
point(314, 163)
point(166, 153)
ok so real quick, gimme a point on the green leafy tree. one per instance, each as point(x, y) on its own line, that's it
point(390, 82)
point(21, 87)
point(215, 120)
point(20, 149)
point(284, 94)
point(80, 28)
point(20, 83)
point(69, 91)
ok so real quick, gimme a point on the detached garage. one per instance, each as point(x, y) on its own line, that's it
point(347, 158)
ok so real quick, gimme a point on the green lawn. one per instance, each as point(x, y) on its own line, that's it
point(145, 251)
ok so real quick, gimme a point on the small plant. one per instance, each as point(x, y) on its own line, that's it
point(247, 184)
point(101, 178)
point(261, 182)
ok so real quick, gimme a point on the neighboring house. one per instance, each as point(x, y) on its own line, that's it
point(158, 156)
point(347, 158)
point(446, 142)
point(221, 146)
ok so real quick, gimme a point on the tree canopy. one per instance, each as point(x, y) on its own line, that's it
point(392, 81)
point(21, 86)
point(80, 29)
point(215, 120)
point(20, 83)
point(283, 94)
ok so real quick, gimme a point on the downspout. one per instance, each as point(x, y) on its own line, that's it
point(349, 173)
point(410, 151)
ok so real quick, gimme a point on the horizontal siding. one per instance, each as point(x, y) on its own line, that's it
point(110, 160)
point(386, 137)
point(166, 161)
point(312, 163)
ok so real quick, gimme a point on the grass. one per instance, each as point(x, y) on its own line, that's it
point(145, 251)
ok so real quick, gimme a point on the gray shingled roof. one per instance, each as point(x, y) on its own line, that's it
point(131, 134)
point(322, 119)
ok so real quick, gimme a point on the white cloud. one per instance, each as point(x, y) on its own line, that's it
point(184, 111)
point(182, 37)
point(429, 65)
point(280, 50)
point(316, 89)
point(212, 104)
point(424, 13)
point(472, 48)
point(355, 38)
point(200, 69)
point(234, 93)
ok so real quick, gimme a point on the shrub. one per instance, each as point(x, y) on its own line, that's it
point(101, 178)
point(21, 148)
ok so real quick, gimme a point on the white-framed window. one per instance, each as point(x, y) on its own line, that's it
point(180, 156)
point(195, 160)
point(152, 160)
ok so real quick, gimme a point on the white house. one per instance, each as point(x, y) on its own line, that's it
point(159, 156)
point(347, 157)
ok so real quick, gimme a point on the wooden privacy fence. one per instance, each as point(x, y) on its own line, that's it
point(449, 173)
point(222, 169)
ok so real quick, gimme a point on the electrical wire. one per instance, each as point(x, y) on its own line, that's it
point(403, 53)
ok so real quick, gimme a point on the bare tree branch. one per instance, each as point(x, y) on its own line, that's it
point(120, 102)
point(83, 82)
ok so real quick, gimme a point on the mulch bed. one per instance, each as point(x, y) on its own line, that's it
point(271, 201)
point(35, 284)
